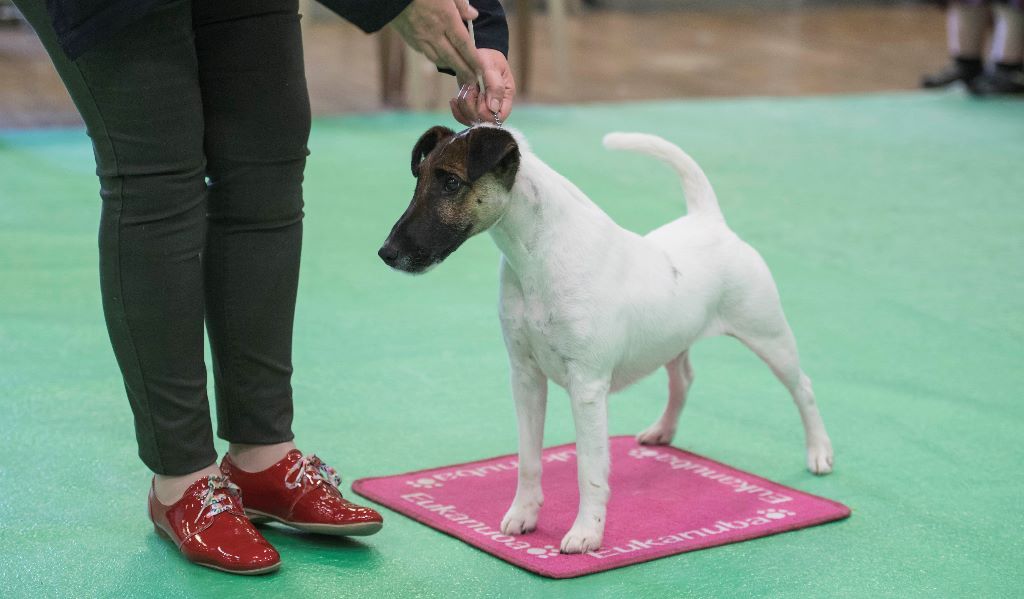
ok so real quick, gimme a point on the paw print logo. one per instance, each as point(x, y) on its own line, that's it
point(424, 483)
point(543, 552)
point(775, 514)
point(640, 453)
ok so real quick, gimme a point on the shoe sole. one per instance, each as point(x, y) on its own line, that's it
point(359, 529)
point(267, 570)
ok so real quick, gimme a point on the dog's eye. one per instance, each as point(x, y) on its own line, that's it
point(451, 184)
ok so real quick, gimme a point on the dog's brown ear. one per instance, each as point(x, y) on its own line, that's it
point(428, 141)
point(492, 150)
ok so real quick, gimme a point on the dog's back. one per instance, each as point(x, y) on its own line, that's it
point(718, 264)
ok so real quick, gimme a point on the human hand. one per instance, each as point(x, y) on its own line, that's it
point(436, 29)
point(470, 106)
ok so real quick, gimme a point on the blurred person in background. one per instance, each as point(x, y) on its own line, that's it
point(199, 116)
point(1007, 73)
point(966, 24)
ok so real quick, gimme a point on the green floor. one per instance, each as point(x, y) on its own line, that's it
point(893, 225)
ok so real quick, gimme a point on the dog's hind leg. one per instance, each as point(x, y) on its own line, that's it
point(530, 391)
point(680, 377)
point(778, 350)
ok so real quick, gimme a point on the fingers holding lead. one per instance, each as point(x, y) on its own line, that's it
point(458, 37)
point(457, 113)
point(491, 101)
point(466, 11)
point(432, 53)
point(452, 59)
point(465, 102)
point(506, 103)
point(462, 115)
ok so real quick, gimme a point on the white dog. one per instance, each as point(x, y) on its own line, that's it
point(589, 305)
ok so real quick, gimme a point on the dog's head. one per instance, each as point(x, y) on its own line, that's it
point(463, 185)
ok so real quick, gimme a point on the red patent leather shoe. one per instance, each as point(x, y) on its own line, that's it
point(210, 528)
point(302, 492)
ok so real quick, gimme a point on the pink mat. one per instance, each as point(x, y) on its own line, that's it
point(664, 501)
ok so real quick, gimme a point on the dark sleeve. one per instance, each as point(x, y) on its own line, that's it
point(368, 15)
point(490, 27)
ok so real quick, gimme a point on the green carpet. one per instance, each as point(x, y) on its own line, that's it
point(893, 225)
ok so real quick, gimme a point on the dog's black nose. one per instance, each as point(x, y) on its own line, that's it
point(388, 253)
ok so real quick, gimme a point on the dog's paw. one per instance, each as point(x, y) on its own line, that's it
point(656, 434)
point(581, 539)
point(819, 457)
point(521, 518)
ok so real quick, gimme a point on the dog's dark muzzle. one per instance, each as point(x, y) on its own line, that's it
point(389, 254)
point(415, 246)
point(399, 258)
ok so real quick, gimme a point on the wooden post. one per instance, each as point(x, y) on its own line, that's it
point(524, 33)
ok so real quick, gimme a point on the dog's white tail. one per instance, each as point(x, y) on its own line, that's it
point(700, 197)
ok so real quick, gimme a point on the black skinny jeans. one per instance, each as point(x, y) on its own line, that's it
point(199, 118)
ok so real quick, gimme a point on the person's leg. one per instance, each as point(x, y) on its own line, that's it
point(256, 110)
point(1008, 36)
point(1005, 76)
point(966, 23)
point(139, 96)
point(966, 26)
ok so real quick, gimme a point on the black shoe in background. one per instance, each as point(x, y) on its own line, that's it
point(961, 69)
point(1005, 79)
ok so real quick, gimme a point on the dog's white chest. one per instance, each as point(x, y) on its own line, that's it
point(548, 336)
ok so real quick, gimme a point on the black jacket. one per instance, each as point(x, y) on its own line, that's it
point(82, 23)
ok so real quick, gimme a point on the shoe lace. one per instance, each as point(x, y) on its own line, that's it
point(312, 469)
point(221, 495)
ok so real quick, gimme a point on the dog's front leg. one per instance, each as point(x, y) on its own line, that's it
point(590, 413)
point(530, 392)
